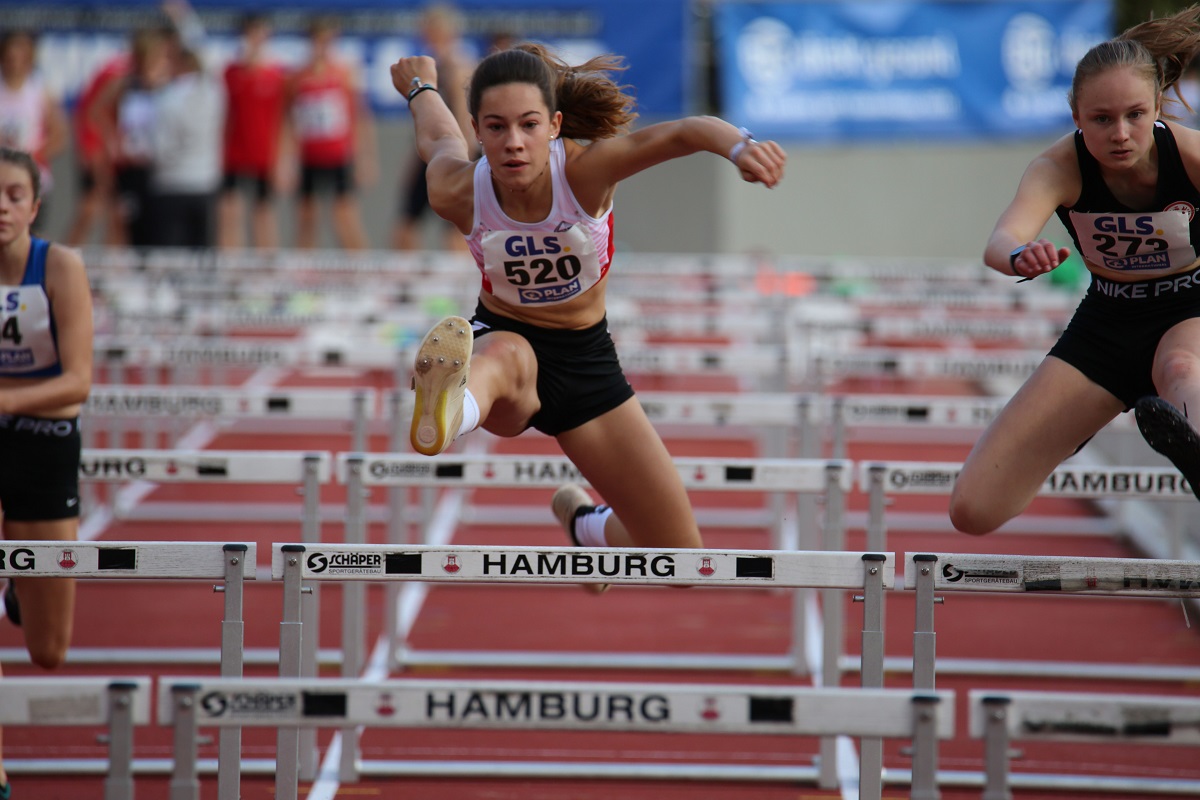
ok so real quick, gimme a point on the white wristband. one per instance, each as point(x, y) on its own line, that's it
point(736, 150)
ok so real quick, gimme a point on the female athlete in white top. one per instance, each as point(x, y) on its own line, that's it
point(536, 212)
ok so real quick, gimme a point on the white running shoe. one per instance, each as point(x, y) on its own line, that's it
point(566, 503)
point(440, 378)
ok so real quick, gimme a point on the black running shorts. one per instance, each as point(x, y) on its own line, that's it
point(1117, 327)
point(39, 468)
point(579, 375)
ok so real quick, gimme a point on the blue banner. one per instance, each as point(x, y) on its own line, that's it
point(857, 70)
point(78, 36)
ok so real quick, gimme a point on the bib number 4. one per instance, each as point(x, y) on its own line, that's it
point(10, 331)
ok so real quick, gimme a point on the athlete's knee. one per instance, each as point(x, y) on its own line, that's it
point(968, 516)
point(49, 652)
point(514, 358)
point(1177, 365)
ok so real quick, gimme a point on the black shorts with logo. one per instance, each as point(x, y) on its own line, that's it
point(579, 375)
point(1116, 328)
point(39, 468)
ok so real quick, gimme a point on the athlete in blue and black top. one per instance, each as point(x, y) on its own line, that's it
point(45, 376)
point(1125, 186)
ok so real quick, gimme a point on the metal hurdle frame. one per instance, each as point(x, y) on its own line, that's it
point(1000, 717)
point(923, 717)
point(231, 563)
point(119, 704)
point(789, 476)
point(295, 564)
point(881, 479)
point(1056, 575)
point(279, 467)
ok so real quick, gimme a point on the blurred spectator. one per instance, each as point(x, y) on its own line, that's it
point(256, 89)
point(189, 124)
point(93, 164)
point(441, 32)
point(124, 113)
point(335, 136)
point(31, 119)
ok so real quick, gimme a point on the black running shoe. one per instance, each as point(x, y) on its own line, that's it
point(1168, 431)
point(12, 609)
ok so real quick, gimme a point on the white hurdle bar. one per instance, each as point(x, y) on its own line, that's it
point(1001, 716)
point(119, 704)
point(871, 573)
point(903, 362)
point(354, 407)
point(928, 573)
point(306, 470)
point(923, 717)
point(230, 563)
point(881, 479)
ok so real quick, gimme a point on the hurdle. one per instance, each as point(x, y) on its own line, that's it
point(1098, 482)
point(240, 352)
point(186, 704)
point(230, 563)
point(1054, 575)
point(1000, 717)
point(791, 477)
point(278, 409)
point(356, 563)
point(306, 470)
point(119, 704)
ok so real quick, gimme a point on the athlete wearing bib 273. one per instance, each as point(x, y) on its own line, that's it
point(1124, 185)
point(536, 211)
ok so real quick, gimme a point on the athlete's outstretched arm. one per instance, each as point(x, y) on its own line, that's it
point(613, 160)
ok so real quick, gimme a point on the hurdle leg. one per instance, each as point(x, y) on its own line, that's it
point(185, 782)
point(287, 757)
point(834, 620)
point(924, 638)
point(995, 749)
point(233, 639)
point(310, 611)
point(870, 776)
point(397, 533)
point(118, 785)
point(353, 609)
point(925, 749)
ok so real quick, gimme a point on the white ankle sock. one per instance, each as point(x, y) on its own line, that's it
point(470, 420)
point(589, 528)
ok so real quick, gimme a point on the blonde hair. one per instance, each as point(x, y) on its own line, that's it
point(1160, 50)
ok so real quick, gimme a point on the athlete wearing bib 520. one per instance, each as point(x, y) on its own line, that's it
point(536, 211)
point(1125, 186)
point(45, 375)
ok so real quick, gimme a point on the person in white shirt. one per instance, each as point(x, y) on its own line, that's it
point(188, 144)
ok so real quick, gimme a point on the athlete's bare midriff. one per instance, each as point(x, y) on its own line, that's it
point(62, 412)
point(577, 314)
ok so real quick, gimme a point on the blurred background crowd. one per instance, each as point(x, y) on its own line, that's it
point(274, 125)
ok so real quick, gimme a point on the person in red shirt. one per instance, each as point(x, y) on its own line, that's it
point(94, 164)
point(335, 137)
point(257, 90)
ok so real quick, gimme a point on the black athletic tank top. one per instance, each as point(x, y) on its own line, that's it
point(1156, 239)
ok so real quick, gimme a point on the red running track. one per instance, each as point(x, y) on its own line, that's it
point(627, 619)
